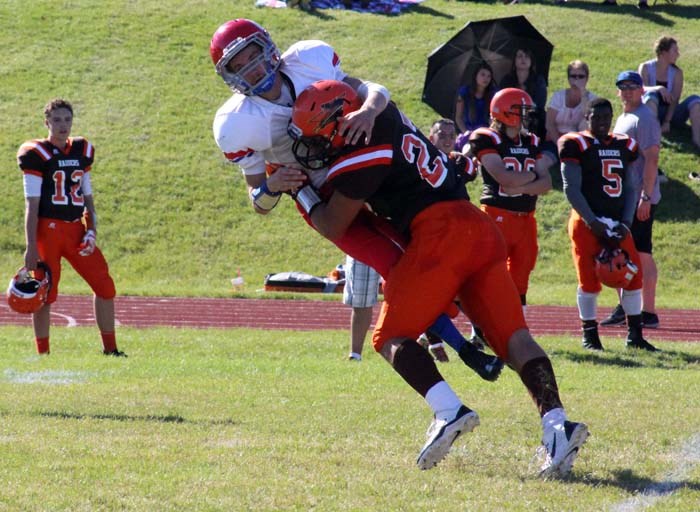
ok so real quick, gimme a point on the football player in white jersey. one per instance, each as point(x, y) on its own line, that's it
point(251, 127)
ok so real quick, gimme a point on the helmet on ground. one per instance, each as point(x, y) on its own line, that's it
point(314, 123)
point(614, 268)
point(230, 39)
point(29, 289)
point(511, 106)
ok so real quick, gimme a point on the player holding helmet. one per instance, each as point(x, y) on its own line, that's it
point(58, 193)
point(594, 168)
point(251, 130)
point(409, 182)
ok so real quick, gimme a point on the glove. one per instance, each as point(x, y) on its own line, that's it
point(608, 237)
point(622, 231)
point(87, 246)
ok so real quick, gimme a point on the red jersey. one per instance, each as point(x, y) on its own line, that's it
point(61, 172)
point(603, 168)
point(399, 173)
point(517, 156)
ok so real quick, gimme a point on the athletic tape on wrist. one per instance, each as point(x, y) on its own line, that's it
point(308, 198)
point(263, 198)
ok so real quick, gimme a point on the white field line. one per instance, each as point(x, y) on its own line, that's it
point(688, 457)
point(72, 322)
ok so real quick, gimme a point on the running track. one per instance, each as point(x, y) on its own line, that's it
point(76, 310)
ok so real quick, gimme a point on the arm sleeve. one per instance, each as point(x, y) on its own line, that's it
point(630, 192)
point(571, 179)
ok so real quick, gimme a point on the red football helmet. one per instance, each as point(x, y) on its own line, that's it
point(511, 106)
point(232, 37)
point(614, 268)
point(314, 124)
point(28, 290)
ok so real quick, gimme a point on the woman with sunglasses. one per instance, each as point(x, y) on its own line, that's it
point(567, 108)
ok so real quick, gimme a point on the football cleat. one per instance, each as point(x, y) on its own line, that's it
point(488, 367)
point(115, 353)
point(561, 444)
point(641, 344)
point(617, 317)
point(443, 433)
point(591, 339)
point(650, 320)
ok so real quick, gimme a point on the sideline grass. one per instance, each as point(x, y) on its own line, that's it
point(174, 217)
point(251, 420)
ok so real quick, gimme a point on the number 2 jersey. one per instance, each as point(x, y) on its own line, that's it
point(517, 156)
point(604, 164)
point(399, 173)
point(61, 172)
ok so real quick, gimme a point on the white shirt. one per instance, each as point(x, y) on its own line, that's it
point(251, 130)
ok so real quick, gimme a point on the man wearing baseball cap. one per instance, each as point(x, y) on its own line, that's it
point(639, 122)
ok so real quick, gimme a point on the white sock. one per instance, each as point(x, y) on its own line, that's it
point(355, 356)
point(442, 400)
point(553, 418)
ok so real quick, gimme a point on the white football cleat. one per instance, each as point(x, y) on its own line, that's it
point(441, 435)
point(561, 444)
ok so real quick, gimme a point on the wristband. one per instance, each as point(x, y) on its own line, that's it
point(308, 198)
point(263, 198)
point(645, 197)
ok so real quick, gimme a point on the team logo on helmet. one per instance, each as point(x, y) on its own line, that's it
point(314, 123)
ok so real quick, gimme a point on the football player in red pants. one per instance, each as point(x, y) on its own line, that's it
point(412, 185)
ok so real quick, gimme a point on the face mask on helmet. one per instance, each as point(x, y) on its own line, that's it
point(614, 268)
point(514, 107)
point(231, 39)
point(314, 123)
point(28, 290)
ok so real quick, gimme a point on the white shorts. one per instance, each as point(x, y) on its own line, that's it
point(361, 284)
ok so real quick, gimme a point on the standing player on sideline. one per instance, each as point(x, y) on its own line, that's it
point(603, 197)
point(509, 155)
point(251, 130)
point(409, 182)
point(58, 194)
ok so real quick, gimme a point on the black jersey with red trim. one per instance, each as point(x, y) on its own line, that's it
point(517, 156)
point(399, 173)
point(61, 172)
point(603, 168)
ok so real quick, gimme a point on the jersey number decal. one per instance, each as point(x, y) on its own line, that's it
point(415, 151)
point(59, 197)
point(513, 164)
point(613, 187)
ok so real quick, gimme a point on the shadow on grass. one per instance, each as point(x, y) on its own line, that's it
point(627, 480)
point(666, 360)
point(169, 418)
point(681, 9)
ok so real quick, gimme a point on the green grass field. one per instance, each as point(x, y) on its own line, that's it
point(172, 211)
point(250, 420)
point(253, 420)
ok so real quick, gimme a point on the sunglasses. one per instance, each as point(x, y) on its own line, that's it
point(628, 87)
point(577, 76)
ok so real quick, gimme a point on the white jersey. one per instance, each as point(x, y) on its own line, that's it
point(251, 130)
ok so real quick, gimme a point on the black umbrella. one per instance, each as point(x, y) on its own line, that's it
point(452, 64)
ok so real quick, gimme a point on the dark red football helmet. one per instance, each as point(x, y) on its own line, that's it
point(314, 124)
point(614, 268)
point(232, 37)
point(28, 290)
